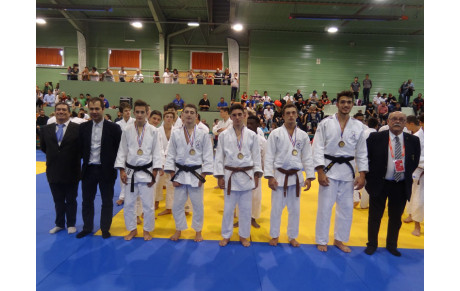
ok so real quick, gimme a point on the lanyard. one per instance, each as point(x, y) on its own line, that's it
point(391, 149)
point(293, 141)
point(239, 144)
point(341, 132)
point(190, 138)
point(141, 137)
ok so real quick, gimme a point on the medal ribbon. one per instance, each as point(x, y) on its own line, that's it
point(391, 149)
point(239, 144)
point(340, 128)
point(190, 138)
point(295, 137)
point(141, 137)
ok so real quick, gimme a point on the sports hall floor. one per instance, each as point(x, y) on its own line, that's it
point(92, 263)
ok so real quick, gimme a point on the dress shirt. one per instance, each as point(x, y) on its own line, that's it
point(63, 130)
point(391, 164)
point(96, 138)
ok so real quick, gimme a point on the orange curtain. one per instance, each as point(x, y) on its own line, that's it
point(48, 56)
point(206, 61)
point(122, 58)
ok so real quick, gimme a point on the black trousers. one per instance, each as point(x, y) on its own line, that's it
point(89, 183)
point(65, 203)
point(366, 92)
point(395, 192)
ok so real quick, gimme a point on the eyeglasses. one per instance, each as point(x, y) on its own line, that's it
point(400, 119)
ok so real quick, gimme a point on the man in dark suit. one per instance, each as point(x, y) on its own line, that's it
point(59, 141)
point(99, 141)
point(393, 156)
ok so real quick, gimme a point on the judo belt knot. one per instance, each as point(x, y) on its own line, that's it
point(144, 168)
point(236, 170)
point(191, 169)
point(339, 160)
point(288, 173)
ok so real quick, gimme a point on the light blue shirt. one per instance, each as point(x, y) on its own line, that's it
point(51, 99)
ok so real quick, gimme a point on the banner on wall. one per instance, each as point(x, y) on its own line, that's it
point(233, 56)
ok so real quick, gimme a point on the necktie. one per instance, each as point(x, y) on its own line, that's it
point(397, 175)
point(60, 132)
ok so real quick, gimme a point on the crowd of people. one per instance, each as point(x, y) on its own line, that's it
point(156, 149)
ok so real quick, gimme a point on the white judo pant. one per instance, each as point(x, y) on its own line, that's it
point(416, 205)
point(123, 190)
point(146, 195)
point(364, 201)
point(165, 180)
point(293, 205)
point(244, 201)
point(341, 193)
point(185, 193)
point(256, 202)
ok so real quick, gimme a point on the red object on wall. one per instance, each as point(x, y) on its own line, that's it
point(207, 61)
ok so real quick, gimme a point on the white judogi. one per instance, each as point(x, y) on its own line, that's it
point(127, 153)
point(242, 182)
point(222, 124)
point(416, 205)
point(279, 155)
point(364, 195)
point(340, 189)
point(179, 152)
point(164, 180)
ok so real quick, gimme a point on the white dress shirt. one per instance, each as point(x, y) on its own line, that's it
point(391, 164)
point(96, 138)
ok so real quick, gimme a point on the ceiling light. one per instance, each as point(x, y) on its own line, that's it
point(237, 27)
point(41, 21)
point(332, 29)
point(136, 24)
point(193, 24)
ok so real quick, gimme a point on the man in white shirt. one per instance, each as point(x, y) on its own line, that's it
point(268, 114)
point(122, 74)
point(94, 75)
point(223, 124)
point(49, 99)
point(167, 77)
point(288, 98)
point(138, 77)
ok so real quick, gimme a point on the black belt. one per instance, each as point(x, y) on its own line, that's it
point(339, 160)
point(143, 168)
point(191, 169)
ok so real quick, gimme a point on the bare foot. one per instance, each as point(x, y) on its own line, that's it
point(355, 204)
point(157, 204)
point(408, 219)
point(139, 221)
point(223, 242)
point(142, 215)
point(198, 236)
point(417, 230)
point(132, 234)
point(187, 213)
point(322, 248)
point(147, 235)
point(120, 201)
point(341, 246)
point(164, 212)
point(245, 242)
point(236, 224)
point(254, 223)
point(273, 242)
point(175, 236)
point(294, 243)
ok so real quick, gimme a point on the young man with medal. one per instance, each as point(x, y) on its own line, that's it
point(139, 158)
point(288, 152)
point(393, 157)
point(237, 167)
point(189, 160)
point(338, 141)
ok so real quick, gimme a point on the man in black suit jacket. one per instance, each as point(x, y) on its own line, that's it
point(393, 156)
point(99, 141)
point(59, 141)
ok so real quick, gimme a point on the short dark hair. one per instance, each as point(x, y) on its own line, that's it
point(420, 118)
point(156, 112)
point(358, 115)
point(141, 103)
point(235, 106)
point(170, 105)
point(164, 114)
point(226, 109)
point(101, 95)
point(124, 105)
point(412, 119)
point(255, 118)
point(190, 105)
point(290, 105)
point(97, 99)
point(62, 103)
point(372, 122)
point(348, 94)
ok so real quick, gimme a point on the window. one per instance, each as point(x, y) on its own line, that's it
point(50, 56)
point(208, 61)
point(124, 58)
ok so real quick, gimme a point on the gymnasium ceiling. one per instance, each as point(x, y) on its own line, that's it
point(381, 17)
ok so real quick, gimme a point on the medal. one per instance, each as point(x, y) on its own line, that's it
point(192, 152)
point(294, 152)
point(139, 152)
point(341, 144)
point(239, 144)
point(240, 156)
point(293, 141)
point(140, 139)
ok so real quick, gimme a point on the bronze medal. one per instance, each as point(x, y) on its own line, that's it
point(341, 144)
point(240, 156)
point(192, 152)
point(139, 152)
point(294, 152)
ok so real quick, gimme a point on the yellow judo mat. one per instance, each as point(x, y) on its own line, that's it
point(213, 211)
point(40, 167)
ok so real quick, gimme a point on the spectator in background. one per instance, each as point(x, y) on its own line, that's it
point(138, 77)
point(218, 76)
point(94, 74)
point(41, 121)
point(222, 103)
point(383, 111)
point(49, 99)
point(48, 86)
point(266, 99)
point(369, 110)
point(227, 77)
point(391, 102)
point(108, 75)
point(235, 85)
point(324, 99)
point(167, 76)
point(377, 100)
point(204, 103)
point(85, 74)
point(106, 102)
point(179, 102)
point(156, 77)
point(314, 98)
point(82, 100)
point(298, 95)
point(408, 92)
point(108, 117)
point(199, 78)
point(190, 77)
point(38, 97)
point(73, 74)
point(122, 74)
point(288, 98)
point(244, 97)
point(251, 109)
point(418, 105)
point(367, 85)
point(119, 117)
point(175, 77)
point(268, 114)
point(208, 78)
point(355, 86)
